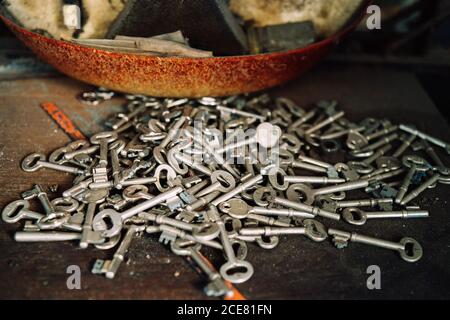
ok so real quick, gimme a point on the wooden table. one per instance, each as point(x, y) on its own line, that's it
point(296, 269)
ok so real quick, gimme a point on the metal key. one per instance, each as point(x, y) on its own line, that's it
point(415, 164)
point(358, 217)
point(36, 161)
point(19, 210)
point(110, 267)
point(239, 209)
point(216, 286)
point(441, 173)
point(408, 248)
point(242, 269)
point(117, 218)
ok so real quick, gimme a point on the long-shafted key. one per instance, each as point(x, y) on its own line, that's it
point(409, 249)
point(216, 286)
point(110, 267)
point(356, 216)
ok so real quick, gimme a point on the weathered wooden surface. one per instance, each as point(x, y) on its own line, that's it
point(297, 268)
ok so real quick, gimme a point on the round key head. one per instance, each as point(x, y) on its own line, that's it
point(108, 136)
point(232, 225)
point(268, 242)
point(326, 203)
point(360, 167)
point(348, 173)
point(330, 146)
point(356, 141)
point(237, 271)
point(99, 223)
point(267, 135)
point(94, 195)
point(12, 213)
point(412, 251)
point(206, 231)
point(65, 204)
point(31, 162)
point(109, 243)
point(354, 216)
point(337, 196)
point(182, 247)
point(388, 163)
point(300, 192)
point(235, 208)
point(315, 230)
point(263, 195)
point(226, 180)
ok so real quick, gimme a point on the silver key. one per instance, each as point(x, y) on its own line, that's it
point(408, 248)
point(242, 269)
point(117, 218)
point(216, 287)
point(36, 161)
point(358, 217)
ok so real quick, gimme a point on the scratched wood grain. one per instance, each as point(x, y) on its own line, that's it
point(296, 269)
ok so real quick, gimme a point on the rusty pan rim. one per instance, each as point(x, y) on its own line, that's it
point(336, 38)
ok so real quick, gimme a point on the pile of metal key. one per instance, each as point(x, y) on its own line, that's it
point(175, 167)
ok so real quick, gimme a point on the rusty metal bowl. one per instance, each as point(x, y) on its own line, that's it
point(175, 76)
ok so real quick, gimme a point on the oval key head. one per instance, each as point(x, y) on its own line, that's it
point(262, 196)
point(182, 247)
point(444, 173)
point(235, 208)
point(179, 168)
point(300, 192)
point(240, 249)
point(315, 230)
point(419, 163)
point(109, 243)
point(237, 271)
point(226, 180)
point(95, 196)
point(360, 167)
point(267, 242)
point(31, 162)
point(412, 251)
point(276, 179)
point(354, 216)
point(134, 192)
point(206, 231)
point(267, 135)
point(57, 156)
point(12, 213)
point(164, 172)
point(65, 204)
point(109, 136)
